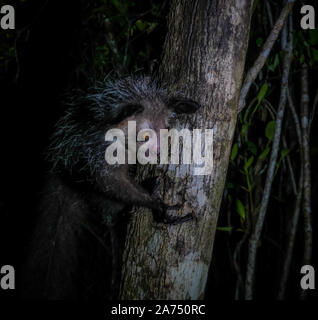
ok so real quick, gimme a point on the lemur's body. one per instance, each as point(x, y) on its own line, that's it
point(82, 187)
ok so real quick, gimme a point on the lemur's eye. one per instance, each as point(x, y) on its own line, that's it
point(183, 105)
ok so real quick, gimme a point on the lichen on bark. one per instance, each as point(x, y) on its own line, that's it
point(204, 56)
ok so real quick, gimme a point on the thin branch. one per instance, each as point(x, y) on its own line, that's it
point(236, 260)
point(267, 47)
point(255, 237)
point(313, 112)
point(269, 13)
point(291, 240)
point(295, 218)
point(116, 58)
point(304, 114)
point(290, 168)
point(293, 111)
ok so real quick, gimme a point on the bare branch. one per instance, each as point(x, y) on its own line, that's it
point(260, 61)
point(236, 260)
point(269, 13)
point(290, 168)
point(313, 112)
point(254, 239)
point(116, 58)
point(295, 218)
point(293, 111)
point(304, 114)
point(291, 240)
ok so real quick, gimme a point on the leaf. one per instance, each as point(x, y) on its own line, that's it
point(141, 25)
point(151, 27)
point(313, 37)
point(234, 151)
point(275, 63)
point(229, 185)
point(252, 147)
point(284, 152)
point(240, 208)
point(270, 130)
point(248, 163)
point(315, 54)
point(262, 92)
point(227, 229)
point(259, 41)
point(255, 5)
point(244, 129)
point(245, 116)
point(264, 153)
point(121, 6)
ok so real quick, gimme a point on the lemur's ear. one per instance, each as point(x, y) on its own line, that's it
point(183, 105)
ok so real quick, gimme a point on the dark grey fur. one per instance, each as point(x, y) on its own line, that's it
point(68, 255)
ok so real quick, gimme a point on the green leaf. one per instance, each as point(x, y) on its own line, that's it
point(262, 92)
point(284, 152)
point(227, 229)
point(141, 25)
point(259, 41)
point(302, 58)
point(244, 129)
point(252, 147)
point(313, 37)
point(240, 208)
point(270, 130)
point(315, 54)
point(229, 185)
point(151, 27)
point(248, 163)
point(255, 5)
point(234, 151)
point(275, 63)
point(121, 6)
point(264, 153)
point(245, 117)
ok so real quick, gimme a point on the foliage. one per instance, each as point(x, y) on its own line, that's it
point(252, 145)
point(121, 36)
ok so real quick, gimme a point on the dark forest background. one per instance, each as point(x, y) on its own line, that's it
point(61, 45)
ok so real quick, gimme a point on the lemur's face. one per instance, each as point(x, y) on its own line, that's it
point(149, 118)
point(146, 123)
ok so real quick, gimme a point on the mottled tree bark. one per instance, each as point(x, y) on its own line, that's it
point(204, 56)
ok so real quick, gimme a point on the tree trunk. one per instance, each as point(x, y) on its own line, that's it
point(204, 56)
